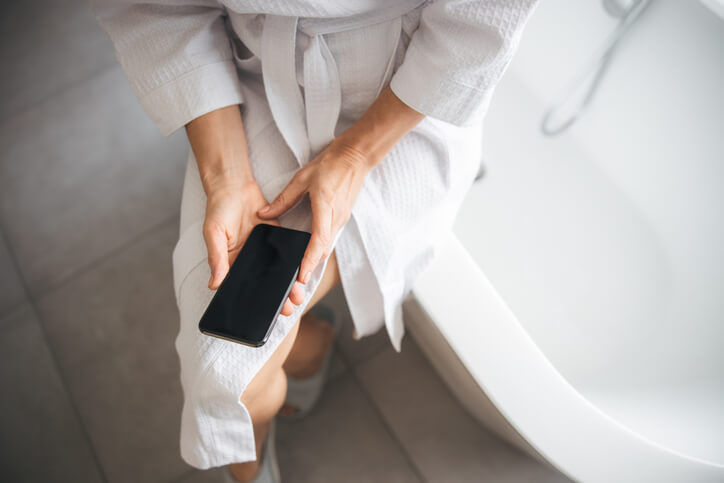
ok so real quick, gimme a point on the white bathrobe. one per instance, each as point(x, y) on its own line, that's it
point(304, 71)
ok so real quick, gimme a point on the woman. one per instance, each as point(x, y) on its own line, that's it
point(373, 108)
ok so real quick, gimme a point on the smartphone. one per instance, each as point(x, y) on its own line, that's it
point(249, 300)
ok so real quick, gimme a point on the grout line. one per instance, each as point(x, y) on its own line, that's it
point(13, 307)
point(184, 475)
point(25, 294)
point(376, 351)
point(101, 258)
point(54, 357)
point(353, 374)
point(350, 364)
point(345, 367)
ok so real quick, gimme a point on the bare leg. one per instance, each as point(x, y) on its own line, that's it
point(314, 336)
point(265, 394)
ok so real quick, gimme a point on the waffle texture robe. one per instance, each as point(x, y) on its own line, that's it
point(303, 71)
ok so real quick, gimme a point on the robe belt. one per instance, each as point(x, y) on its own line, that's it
point(308, 124)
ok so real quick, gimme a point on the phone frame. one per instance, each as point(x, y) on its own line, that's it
point(240, 340)
point(268, 332)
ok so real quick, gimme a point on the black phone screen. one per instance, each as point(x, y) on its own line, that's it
point(250, 298)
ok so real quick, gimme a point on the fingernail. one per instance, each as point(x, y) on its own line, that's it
point(306, 277)
point(265, 209)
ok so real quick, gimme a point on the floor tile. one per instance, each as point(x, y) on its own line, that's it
point(81, 174)
point(214, 475)
point(50, 46)
point(41, 438)
point(352, 350)
point(11, 289)
point(113, 329)
point(343, 439)
point(446, 443)
point(337, 367)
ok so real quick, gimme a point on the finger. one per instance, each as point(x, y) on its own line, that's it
point(296, 295)
point(288, 308)
point(289, 196)
point(321, 239)
point(217, 248)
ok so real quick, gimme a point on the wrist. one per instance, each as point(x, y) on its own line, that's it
point(222, 192)
point(218, 141)
point(384, 123)
point(224, 171)
point(367, 150)
point(354, 154)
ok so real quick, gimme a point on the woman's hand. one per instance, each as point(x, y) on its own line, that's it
point(333, 180)
point(232, 194)
point(230, 217)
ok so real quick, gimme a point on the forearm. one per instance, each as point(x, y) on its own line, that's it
point(219, 145)
point(384, 123)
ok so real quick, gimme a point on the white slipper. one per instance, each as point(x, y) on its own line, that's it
point(303, 394)
point(269, 468)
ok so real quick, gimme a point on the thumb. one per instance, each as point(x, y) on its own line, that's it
point(289, 196)
point(217, 248)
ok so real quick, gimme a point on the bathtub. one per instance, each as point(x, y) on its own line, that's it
point(585, 323)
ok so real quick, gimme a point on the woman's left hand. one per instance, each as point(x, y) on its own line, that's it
point(333, 180)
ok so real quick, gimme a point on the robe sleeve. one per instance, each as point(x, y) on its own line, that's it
point(457, 55)
point(177, 58)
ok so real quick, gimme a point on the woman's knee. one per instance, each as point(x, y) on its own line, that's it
point(261, 389)
point(264, 404)
point(330, 278)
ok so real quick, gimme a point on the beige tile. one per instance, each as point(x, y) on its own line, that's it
point(41, 438)
point(82, 174)
point(446, 443)
point(342, 440)
point(47, 47)
point(326, 447)
point(337, 366)
point(214, 475)
point(12, 293)
point(113, 328)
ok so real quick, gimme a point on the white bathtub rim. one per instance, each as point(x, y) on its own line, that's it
point(427, 292)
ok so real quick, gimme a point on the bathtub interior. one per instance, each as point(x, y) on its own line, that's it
point(607, 242)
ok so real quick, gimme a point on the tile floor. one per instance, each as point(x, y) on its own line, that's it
point(89, 197)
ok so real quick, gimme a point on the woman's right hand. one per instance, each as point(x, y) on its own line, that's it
point(233, 196)
point(230, 216)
